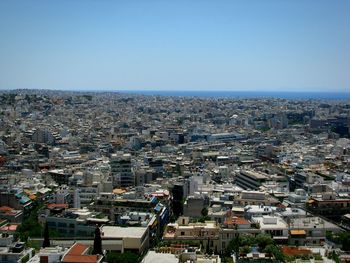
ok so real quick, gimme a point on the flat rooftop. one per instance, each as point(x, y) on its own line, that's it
point(311, 223)
point(153, 256)
point(122, 232)
point(254, 174)
point(269, 222)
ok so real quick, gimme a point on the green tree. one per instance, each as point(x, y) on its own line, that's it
point(246, 240)
point(275, 251)
point(262, 240)
point(342, 238)
point(204, 211)
point(30, 226)
point(245, 249)
point(203, 219)
point(335, 257)
point(233, 246)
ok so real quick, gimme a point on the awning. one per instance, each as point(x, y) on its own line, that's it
point(297, 232)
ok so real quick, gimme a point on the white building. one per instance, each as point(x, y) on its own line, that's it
point(274, 226)
point(49, 255)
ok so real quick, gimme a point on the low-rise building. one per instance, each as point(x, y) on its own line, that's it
point(80, 253)
point(74, 222)
point(329, 205)
point(10, 214)
point(48, 255)
point(207, 233)
point(122, 239)
point(15, 252)
point(274, 226)
point(250, 180)
point(310, 230)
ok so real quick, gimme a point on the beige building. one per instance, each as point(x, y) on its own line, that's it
point(207, 234)
point(122, 239)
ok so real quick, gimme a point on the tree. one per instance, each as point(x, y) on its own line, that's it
point(275, 251)
point(246, 249)
point(342, 238)
point(233, 246)
point(204, 211)
point(30, 226)
point(97, 249)
point(263, 240)
point(335, 257)
point(46, 242)
point(203, 219)
point(246, 240)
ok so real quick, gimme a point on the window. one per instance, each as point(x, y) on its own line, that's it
point(182, 233)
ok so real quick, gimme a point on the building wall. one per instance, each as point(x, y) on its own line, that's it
point(69, 227)
point(121, 170)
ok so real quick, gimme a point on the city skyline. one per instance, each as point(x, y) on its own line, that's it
point(165, 45)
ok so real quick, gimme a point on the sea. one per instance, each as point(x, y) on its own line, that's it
point(244, 94)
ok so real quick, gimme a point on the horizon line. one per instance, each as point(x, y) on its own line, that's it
point(175, 90)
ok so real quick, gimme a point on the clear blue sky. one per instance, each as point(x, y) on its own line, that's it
point(176, 44)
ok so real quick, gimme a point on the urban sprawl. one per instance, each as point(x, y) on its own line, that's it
point(112, 177)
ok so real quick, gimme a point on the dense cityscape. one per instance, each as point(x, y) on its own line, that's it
point(117, 177)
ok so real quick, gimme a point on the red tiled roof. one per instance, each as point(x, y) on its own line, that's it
point(52, 206)
point(11, 227)
point(5, 209)
point(236, 221)
point(78, 249)
point(76, 254)
point(241, 221)
point(292, 251)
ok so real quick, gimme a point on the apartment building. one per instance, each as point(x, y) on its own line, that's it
point(121, 170)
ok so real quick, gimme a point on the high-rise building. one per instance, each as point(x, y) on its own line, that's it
point(121, 170)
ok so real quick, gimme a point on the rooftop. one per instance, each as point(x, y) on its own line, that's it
point(268, 222)
point(311, 222)
point(254, 174)
point(153, 256)
point(122, 232)
point(77, 254)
